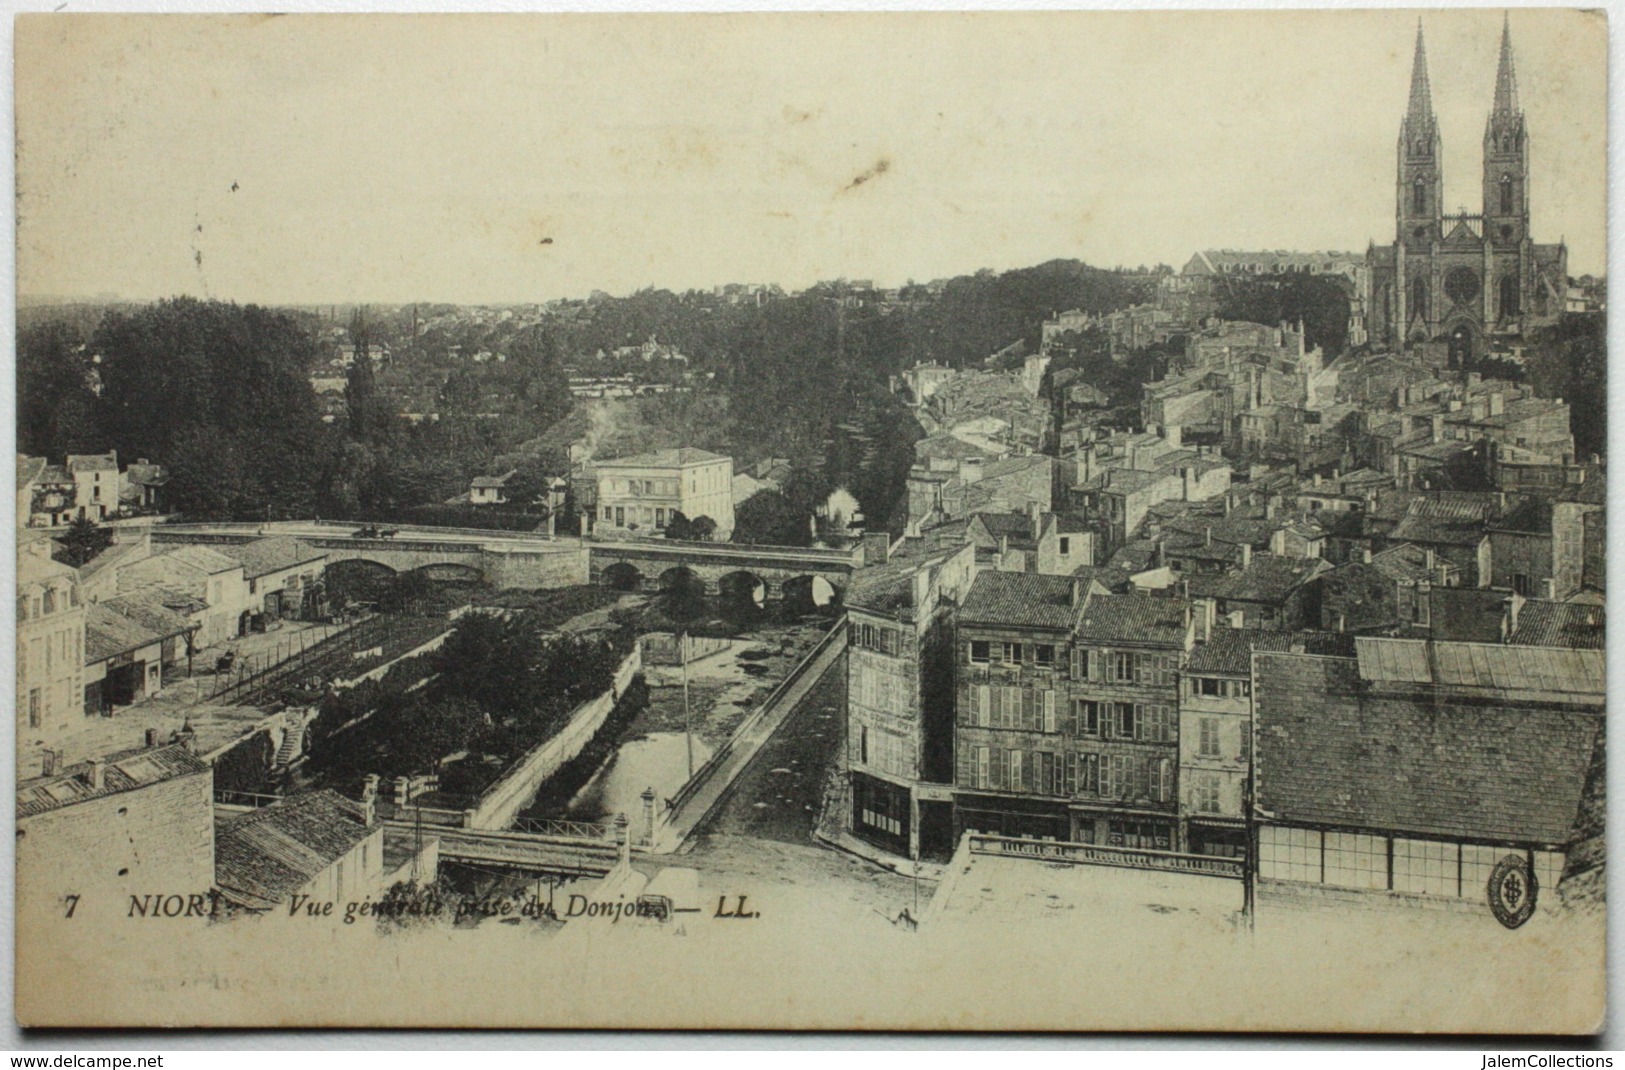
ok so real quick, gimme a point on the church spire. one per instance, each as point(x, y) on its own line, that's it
point(1506, 77)
point(1420, 112)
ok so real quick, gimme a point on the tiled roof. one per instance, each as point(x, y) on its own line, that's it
point(160, 612)
point(203, 559)
point(1019, 599)
point(109, 633)
point(1230, 650)
point(493, 482)
point(1327, 755)
point(1140, 618)
point(93, 462)
point(264, 556)
point(1531, 515)
point(263, 856)
point(1564, 624)
point(29, 469)
point(1270, 578)
point(669, 458)
point(1407, 562)
point(889, 588)
point(125, 771)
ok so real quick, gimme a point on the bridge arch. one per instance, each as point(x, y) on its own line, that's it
point(621, 576)
point(450, 572)
point(741, 592)
point(810, 593)
point(683, 592)
point(357, 579)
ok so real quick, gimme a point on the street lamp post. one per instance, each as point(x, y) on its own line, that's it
point(688, 725)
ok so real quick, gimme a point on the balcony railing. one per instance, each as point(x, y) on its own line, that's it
point(1091, 854)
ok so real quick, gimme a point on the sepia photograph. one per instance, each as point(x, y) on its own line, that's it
point(1060, 521)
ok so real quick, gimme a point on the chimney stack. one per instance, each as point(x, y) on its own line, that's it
point(1365, 555)
point(1246, 555)
point(876, 547)
point(369, 799)
point(49, 761)
point(1498, 403)
point(1551, 590)
point(152, 737)
point(96, 777)
point(1207, 536)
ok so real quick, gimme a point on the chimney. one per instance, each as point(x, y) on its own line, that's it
point(152, 737)
point(1498, 403)
point(1004, 548)
point(49, 761)
point(369, 799)
point(1207, 536)
point(1365, 556)
point(96, 776)
point(1438, 427)
point(1317, 480)
point(1441, 574)
point(1237, 619)
point(1342, 622)
point(1514, 607)
point(876, 547)
point(1035, 511)
point(1172, 434)
point(1246, 555)
point(1551, 590)
point(1269, 507)
point(1427, 558)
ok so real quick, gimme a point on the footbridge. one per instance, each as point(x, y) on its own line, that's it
point(522, 851)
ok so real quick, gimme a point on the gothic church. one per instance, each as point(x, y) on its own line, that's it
point(1463, 278)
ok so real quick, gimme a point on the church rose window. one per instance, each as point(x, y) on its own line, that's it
point(1461, 286)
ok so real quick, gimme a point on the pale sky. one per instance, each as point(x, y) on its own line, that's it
point(399, 157)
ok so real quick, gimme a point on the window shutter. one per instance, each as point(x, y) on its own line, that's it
point(1028, 706)
point(962, 772)
point(999, 768)
point(981, 767)
point(1049, 711)
point(1069, 773)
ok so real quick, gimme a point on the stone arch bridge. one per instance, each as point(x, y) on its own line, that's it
point(520, 560)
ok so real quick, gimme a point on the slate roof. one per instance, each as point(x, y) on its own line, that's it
point(1019, 599)
point(125, 771)
point(669, 458)
point(264, 856)
point(1575, 625)
point(1328, 755)
point(1134, 617)
point(265, 556)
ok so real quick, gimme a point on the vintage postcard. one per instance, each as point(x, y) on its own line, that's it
point(1021, 521)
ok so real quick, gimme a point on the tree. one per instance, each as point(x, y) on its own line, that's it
point(436, 727)
point(82, 542)
point(701, 528)
point(679, 526)
point(769, 517)
point(55, 404)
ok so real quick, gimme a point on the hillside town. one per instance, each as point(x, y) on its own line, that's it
point(1273, 583)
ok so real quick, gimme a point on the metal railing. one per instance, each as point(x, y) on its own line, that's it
point(597, 832)
point(1090, 854)
point(703, 774)
point(255, 799)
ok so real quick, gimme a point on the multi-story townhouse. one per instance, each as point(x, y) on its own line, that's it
point(1128, 652)
point(641, 493)
point(900, 697)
